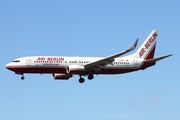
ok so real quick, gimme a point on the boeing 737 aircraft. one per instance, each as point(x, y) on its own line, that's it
point(63, 68)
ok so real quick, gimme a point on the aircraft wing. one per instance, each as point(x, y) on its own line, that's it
point(96, 65)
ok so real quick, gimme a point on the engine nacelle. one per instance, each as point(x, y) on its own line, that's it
point(61, 76)
point(75, 69)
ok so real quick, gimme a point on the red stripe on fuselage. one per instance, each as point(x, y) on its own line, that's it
point(30, 69)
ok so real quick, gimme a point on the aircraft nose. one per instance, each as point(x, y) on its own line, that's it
point(8, 65)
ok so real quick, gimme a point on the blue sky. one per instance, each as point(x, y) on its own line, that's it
point(89, 28)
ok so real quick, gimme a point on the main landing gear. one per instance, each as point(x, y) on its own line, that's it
point(82, 80)
point(90, 77)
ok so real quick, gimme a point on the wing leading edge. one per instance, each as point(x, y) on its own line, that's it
point(107, 60)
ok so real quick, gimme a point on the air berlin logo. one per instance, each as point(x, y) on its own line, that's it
point(147, 44)
point(50, 58)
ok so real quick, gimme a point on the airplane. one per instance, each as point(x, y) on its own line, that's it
point(63, 68)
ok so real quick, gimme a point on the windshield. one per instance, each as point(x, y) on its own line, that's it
point(16, 61)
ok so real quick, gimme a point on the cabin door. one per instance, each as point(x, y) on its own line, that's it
point(28, 62)
point(135, 63)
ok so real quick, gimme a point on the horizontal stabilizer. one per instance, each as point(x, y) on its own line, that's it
point(159, 58)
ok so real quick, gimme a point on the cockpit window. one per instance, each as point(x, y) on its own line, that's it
point(16, 61)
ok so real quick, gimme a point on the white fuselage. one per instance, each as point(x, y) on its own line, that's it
point(45, 64)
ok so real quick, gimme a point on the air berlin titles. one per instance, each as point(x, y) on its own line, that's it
point(50, 58)
point(148, 44)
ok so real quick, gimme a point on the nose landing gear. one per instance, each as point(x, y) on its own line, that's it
point(22, 77)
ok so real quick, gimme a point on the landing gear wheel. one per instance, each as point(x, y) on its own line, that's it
point(22, 78)
point(81, 80)
point(90, 77)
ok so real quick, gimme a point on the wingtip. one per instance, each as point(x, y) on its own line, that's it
point(134, 45)
point(136, 42)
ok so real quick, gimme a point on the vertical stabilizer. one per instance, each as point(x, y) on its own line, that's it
point(147, 49)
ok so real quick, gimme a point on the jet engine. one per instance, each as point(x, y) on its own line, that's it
point(75, 69)
point(61, 76)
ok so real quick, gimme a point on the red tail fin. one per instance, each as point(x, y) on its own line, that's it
point(147, 49)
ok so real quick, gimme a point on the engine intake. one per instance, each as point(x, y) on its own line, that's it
point(75, 69)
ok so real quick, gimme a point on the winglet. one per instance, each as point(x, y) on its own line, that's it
point(126, 51)
point(134, 45)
